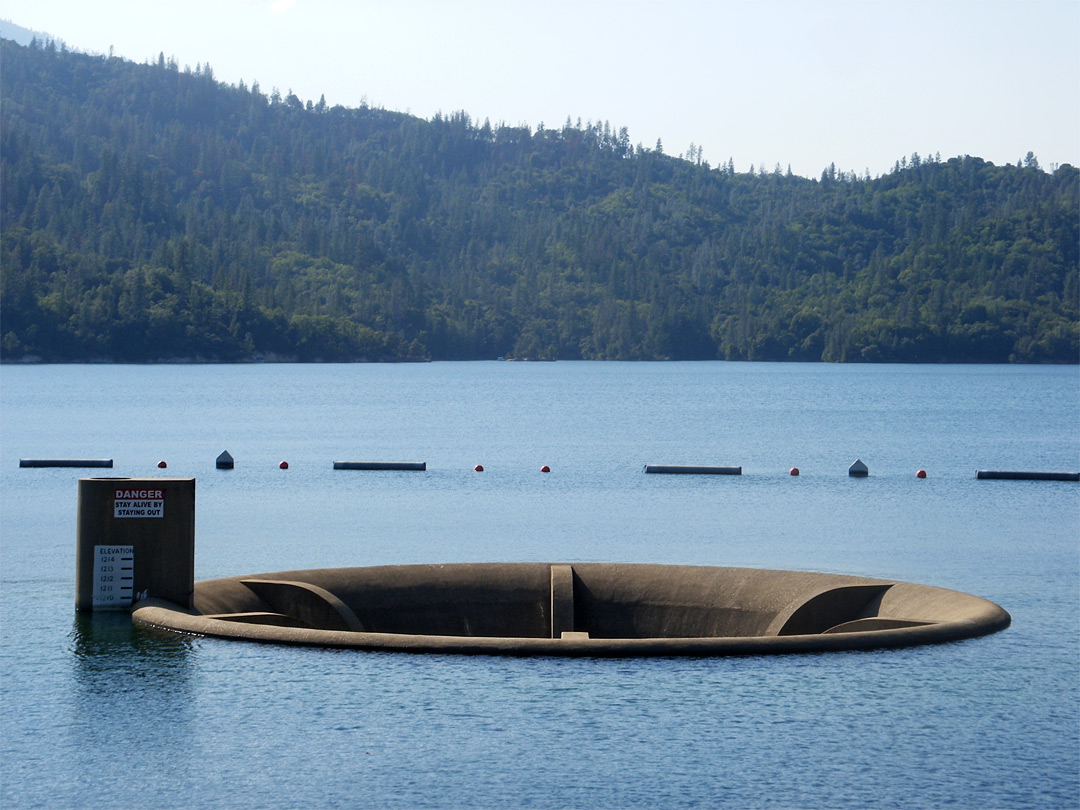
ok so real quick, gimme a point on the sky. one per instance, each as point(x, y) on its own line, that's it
point(800, 84)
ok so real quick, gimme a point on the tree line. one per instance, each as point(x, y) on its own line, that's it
point(151, 213)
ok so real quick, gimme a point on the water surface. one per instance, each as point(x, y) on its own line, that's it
point(97, 713)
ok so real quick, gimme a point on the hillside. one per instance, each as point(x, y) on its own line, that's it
point(150, 213)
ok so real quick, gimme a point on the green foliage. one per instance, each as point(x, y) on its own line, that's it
point(151, 214)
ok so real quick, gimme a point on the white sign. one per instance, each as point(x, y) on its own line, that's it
point(114, 576)
point(139, 503)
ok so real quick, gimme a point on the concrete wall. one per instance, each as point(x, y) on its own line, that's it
point(160, 531)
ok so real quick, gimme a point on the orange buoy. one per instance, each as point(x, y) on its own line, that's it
point(162, 465)
point(478, 468)
point(545, 468)
point(921, 474)
point(284, 465)
point(793, 471)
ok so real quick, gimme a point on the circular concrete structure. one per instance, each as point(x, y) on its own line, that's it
point(583, 609)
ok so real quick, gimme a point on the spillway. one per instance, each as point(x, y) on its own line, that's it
point(575, 609)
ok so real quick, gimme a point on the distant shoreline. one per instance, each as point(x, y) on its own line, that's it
point(187, 361)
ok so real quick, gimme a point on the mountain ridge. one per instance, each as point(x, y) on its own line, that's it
point(153, 214)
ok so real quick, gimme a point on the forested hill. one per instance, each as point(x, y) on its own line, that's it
point(152, 213)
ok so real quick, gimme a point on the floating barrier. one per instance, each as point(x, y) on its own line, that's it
point(380, 465)
point(225, 461)
point(858, 469)
point(65, 462)
point(681, 469)
point(1015, 475)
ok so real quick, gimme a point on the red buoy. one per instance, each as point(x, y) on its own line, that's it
point(545, 468)
point(478, 468)
point(921, 474)
point(793, 471)
point(162, 465)
point(284, 465)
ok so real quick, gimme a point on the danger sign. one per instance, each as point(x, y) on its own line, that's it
point(139, 503)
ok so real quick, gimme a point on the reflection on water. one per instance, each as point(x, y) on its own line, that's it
point(128, 716)
point(105, 641)
point(117, 663)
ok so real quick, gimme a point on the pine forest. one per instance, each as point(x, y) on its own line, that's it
point(150, 213)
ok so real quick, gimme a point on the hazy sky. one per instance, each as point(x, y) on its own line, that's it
point(796, 83)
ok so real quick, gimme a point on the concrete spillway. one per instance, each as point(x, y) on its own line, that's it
point(593, 609)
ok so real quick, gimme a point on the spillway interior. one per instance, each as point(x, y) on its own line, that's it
point(576, 608)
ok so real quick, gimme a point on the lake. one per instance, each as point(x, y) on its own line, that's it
point(97, 713)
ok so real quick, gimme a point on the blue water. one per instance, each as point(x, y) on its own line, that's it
point(96, 713)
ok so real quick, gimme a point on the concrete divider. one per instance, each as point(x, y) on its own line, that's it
point(562, 600)
point(380, 465)
point(311, 605)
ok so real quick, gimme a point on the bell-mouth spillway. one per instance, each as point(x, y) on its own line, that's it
point(579, 609)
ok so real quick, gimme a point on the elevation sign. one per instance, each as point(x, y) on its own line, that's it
point(114, 576)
